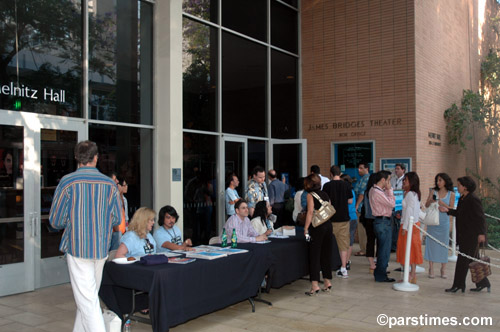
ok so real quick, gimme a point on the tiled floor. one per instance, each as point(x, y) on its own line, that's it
point(353, 305)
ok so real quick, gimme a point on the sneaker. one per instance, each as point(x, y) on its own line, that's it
point(342, 274)
point(348, 265)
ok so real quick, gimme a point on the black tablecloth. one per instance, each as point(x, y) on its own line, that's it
point(290, 259)
point(180, 292)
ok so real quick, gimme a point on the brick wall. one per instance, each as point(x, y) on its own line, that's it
point(445, 65)
point(358, 65)
point(393, 59)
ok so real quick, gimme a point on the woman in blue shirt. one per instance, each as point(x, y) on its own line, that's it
point(138, 241)
point(168, 236)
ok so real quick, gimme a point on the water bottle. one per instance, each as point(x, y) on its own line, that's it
point(126, 327)
point(224, 238)
point(234, 239)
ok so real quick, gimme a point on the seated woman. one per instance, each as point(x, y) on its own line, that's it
point(138, 241)
point(240, 222)
point(261, 218)
point(168, 236)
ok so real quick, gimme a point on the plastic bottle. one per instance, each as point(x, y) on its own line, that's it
point(126, 327)
point(234, 239)
point(224, 238)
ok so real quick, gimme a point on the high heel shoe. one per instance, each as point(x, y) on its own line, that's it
point(480, 288)
point(327, 289)
point(454, 289)
point(312, 292)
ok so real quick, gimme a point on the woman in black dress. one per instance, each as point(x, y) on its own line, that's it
point(471, 231)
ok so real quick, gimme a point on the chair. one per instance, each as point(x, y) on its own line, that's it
point(214, 240)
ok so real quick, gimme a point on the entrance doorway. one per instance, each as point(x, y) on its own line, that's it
point(36, 152)
point(347, 155)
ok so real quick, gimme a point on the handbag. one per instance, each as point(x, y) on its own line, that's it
point(154, 259)
point(432, 215)
point(325, 212)
point(479, 271)
point(301, 218)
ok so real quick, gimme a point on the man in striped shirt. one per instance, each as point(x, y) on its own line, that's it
point(86, 205)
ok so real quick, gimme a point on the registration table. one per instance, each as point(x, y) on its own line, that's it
point(180, 292)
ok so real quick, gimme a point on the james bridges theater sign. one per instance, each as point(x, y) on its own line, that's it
point(355, 128)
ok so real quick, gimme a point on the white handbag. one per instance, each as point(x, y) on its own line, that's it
point(432, 215)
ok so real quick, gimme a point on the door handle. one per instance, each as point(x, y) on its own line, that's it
point(32, 224)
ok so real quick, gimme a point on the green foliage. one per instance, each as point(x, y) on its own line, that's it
point(491, 205)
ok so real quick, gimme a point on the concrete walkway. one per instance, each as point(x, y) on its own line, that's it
point(353, 305)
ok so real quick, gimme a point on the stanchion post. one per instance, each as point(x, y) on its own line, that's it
point(453, 257)
point(405, 286)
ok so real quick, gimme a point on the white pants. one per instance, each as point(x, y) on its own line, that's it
point(86, 275)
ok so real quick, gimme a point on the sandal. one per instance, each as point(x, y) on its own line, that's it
point(360, 253)
point(312, 292)
point(145, 312)
point(443, 274)
point(327, 289)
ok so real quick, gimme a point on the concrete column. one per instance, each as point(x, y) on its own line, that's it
point(168, 152)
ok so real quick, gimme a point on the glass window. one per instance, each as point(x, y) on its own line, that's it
point(127, 152)
point(120, 57)
point(204, 9)
point(41, 57)
point(283, 27)
point(199, 78)
point(200, 194)
point(243, 86)
point(284, 110)
point(246, 17)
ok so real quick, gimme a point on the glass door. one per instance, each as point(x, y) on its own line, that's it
point(56, 146)
point(16, 212)
point(289, 159)
point(29, 255)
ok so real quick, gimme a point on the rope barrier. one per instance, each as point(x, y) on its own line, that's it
point(492, 217)
point(458, 252)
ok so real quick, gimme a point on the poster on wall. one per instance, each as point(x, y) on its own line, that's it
point(389, 164)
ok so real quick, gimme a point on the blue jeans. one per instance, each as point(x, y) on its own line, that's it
point(383, 232)
point(395, 231)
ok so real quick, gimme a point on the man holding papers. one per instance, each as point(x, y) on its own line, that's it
point(240, 222)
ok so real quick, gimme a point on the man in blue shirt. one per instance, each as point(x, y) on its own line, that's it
point(359, 190)
point(86, 205)
point(276, 191)
point(232, 196)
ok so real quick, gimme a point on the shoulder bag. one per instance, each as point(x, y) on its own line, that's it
point(325, 212)
point(432, 215)
point(478, 271)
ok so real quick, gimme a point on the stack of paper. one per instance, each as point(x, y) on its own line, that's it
point(205, 254)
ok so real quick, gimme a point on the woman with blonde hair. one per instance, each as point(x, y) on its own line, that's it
point(138, 241)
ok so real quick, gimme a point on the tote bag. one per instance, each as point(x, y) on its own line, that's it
point(432, 215)
point(325, 212)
